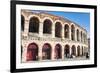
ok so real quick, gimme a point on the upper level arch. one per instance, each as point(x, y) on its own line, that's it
point(47, 25)
point(66, 31)
point(73, 32)
point(34, 25)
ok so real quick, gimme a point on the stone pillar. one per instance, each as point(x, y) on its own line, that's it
point(62, 52)
point(41, 29)
point(75, 34)
point(53, 31)
point(40, 52)
point(26, 27)
point(53, 53)
point(62, 32)
point(81, 51)
point(24, 54)
point(70, 51)
point(70, 33)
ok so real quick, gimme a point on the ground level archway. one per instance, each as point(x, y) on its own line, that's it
point(32, 52)
point(58, 51)
point(67, 51)
point(46, 51)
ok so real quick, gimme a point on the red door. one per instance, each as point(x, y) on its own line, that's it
point(32, 52)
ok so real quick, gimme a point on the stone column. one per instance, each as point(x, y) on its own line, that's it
point(26, 27)
point(53, 53)
point(41, 29)
point(40, 52)
point(53, 30)
point(70, 51)
point(70, 32)
point(24, 54)
point(81, 51)
point(62, 52)
point(62, 32)
point(75, 34)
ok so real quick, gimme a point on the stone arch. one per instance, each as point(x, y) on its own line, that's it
point(77, 34)
point(78, 50)
point(32, 52)
point(33, 15)
point(66, 31)
point(67, 51)
point(34, 25)
point(73, 32)
point(47, 26)
point(58, 29)
point(73, 49)
point(22, 22)
point(46, 51)
point(58, 51)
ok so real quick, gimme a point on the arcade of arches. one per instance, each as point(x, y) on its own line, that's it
point(69, 51)
point(69, 32)
point(72, 43)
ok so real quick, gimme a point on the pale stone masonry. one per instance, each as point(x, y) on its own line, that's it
point(62, 37)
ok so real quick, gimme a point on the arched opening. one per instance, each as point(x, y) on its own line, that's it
point(47, 26)
point(66, 31)
point(58, 50)
point(22, 22)
point(78, 51)
point(77, 35)
point(73, 50)
point(32, 52)
point(67, 51)
point(81, 36)
point(58, 29)
point(34, 25)
point(72, 32)
point(46, 51)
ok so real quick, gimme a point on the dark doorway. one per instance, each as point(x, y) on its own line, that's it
point(73, 50)
point(78, 51)
point(46, 51)
point(58, 51)
point(67, 51)
point(32, 52)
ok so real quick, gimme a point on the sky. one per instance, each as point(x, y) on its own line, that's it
point(81, 18)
